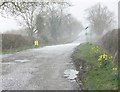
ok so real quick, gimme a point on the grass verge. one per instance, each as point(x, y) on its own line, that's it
point(14, 50)
point(94, 76)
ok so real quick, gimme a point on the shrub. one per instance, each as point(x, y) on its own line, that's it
point(10, 41)
point(110, 42)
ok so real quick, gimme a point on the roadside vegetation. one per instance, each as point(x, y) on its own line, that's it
point(51, 22)
point(14, 50)
point(98, 73)
point(97, 63)
point(110, 43)
point(12, 43)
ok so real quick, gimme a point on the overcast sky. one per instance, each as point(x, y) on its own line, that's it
point(77, 10)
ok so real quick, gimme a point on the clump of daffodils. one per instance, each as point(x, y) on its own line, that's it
point(115, 69)
point(115, 73)
point(95, 49)
point(104, 58)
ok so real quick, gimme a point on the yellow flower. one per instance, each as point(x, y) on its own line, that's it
point(105, 55)
point(110, 58)
point(100, 58)
point(114, 68)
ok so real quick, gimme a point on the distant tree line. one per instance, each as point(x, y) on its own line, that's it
point(49, 18)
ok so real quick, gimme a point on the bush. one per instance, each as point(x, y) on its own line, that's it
point(110, 42)
point(10, 41)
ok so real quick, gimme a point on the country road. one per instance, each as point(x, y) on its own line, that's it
point(39, 69)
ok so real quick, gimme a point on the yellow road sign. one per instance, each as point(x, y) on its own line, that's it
point(36, 43)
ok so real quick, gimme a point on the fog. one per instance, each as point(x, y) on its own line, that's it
point(77, 12)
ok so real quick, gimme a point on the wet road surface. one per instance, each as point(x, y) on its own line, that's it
point(39, 69)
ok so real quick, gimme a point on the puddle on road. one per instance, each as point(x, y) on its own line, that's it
point(16, 61)
point(71, 74)
point(22, 61)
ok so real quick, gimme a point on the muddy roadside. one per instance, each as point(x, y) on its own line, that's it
point(80, 66)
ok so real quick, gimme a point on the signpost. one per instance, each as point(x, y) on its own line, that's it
point(86, 34)
point(36, 43)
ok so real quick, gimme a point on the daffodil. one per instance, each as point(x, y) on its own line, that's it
point(114, 69)
point(110, 58)
point(95, 49)
point(100, 58)
point(105, 56)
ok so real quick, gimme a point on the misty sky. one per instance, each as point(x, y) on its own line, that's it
point(77, 10)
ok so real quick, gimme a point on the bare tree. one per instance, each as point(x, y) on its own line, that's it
point(56, 11)
point(26, 10)
point(52, 16)
point(100, 18)
point(58, 22)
